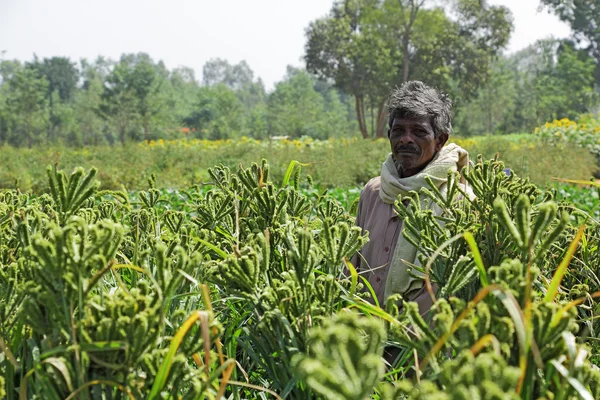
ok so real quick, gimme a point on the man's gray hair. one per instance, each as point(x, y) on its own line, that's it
point(414, 99)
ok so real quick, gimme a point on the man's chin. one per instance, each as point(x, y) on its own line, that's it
point(406, 160)
point(403, 165)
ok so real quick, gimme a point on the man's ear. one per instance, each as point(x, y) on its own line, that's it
point(441, 141)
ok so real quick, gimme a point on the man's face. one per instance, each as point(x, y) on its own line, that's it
point(413, 144)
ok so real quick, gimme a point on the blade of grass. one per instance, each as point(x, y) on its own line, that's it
point(251, 386)
point(226, 376)
point(371, 290)
point(290, 170)
point(562, 268)
point(62, 368)
point(477, 258)
point(435, 255)
point(557, 317)
point(209, 307)
point(483, 342)
point(575, 384)
point(56, 363)
point(353, 275)
point(9, 355)
point(373, 310)
point(442, 340)
point(101, 382)
point(165, 367)
point(577, 181)
point(214, 248)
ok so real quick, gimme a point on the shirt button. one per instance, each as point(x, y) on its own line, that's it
point(386, 249)
point(378, 279)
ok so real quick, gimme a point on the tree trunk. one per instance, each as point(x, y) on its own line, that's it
point(122, 129)
point(29, 135)
point(146, 128)
point(381, 120)
point(490, 105)
point(372, 116)
point(405, 60)
point(51, 122)
point(364, 116)
point(359, 116)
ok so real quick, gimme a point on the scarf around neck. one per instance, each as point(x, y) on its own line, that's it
point(450, 158)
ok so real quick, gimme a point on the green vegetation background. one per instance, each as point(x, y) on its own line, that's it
point(332, 163)
point(352, 60)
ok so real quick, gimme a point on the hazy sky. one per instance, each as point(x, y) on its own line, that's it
point(268, 34)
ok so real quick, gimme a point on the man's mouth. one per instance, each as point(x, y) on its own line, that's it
point(406, 151)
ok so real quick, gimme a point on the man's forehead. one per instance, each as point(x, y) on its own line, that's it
point(410, 121)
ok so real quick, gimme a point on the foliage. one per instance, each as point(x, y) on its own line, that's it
point(547, 80)
point(519, 241)
point(341, 363)
point(103, 293)
point(354, 58)
point(367, 47)
point(297, 109)
point(26, 107)
point(585, 134)
point(137, 98)
point(179, 164)
point(583, 17)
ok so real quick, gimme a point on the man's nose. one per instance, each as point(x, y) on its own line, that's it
point(406, 138)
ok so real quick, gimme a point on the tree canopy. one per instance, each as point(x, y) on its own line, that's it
point(584, 18)
point(354, 56)
point(367, 47)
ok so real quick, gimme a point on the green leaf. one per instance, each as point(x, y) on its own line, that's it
point(562, 268)
point(477, 258)
point(290, 171)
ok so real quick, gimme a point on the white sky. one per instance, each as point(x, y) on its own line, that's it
point(268, 34)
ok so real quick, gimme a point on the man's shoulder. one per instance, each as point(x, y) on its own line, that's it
point(371, 188)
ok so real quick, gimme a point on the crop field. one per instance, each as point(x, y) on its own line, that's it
point(237, 289)
point(334, 163)
point(201, 232)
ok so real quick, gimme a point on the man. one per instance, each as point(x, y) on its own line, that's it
point(419, 127)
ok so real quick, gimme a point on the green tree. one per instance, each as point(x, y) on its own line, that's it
point(183, 88)
point(251, 93)
point(62, 76)
point(86, 104)
point(117, 105)
point(147, 85)
point(584, 18)
point(492, 109)
point(217, 113)
point(561, 80)
point(297, 109)
point(27, 104)
point(547, 80)
point(366, 47)
point(218, 71)
point(346, 48)
point(134, 94)
point(7, 119)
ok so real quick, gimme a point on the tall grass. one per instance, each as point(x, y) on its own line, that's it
point(339, 163)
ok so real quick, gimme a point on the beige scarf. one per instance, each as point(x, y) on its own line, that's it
point(450, 158)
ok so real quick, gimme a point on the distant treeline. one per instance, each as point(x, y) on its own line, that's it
point(354, 56)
